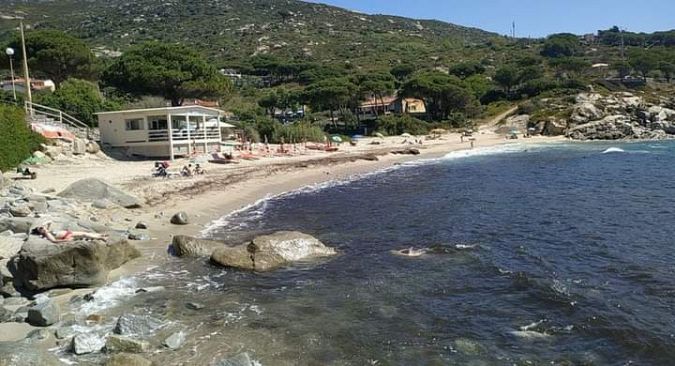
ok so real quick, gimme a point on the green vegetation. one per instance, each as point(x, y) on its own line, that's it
point(291, 54)
point(57, 56)
point(17, 141)
point(79, 98)
point(174, 72)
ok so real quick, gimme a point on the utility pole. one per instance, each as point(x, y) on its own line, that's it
point(513, 30)
point(623, 46)
point(29, 96)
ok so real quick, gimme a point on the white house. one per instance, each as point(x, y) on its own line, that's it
point(163, 132)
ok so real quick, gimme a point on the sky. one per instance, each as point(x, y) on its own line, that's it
point(534, 18)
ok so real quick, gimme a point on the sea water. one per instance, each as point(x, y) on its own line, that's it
point(556, 254)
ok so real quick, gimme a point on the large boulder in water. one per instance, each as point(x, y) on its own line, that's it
point(187, 246)
point(269, 252)
point(41, 265)
point(92, 189)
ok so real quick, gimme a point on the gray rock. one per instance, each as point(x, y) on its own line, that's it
point(117, 343)
point(139, 235)
point(242, 359)
point(150, 289)
point(175, 341)
point(65, 332)
point(79, 147)
point(123, 359)
point(42, 266)
point(585, 112)
point(101, 204)
point(16, 301)
point(194, 306)
point(92, 189)
point(5, 315)
point(39, 336)
point(20, 316)
point(269, 252)
point(17, 224)
point(408, 151)
point(25, 354)
point(44, 314)
point(39, 207)
point(141, 225)
point(20, 211)
point(87, 343)
point(180, 218)
point(9, 246)
point(137, 325)
point(93, 147)
point(187, 246)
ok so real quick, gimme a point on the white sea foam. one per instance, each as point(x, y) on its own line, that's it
point(614, 150)
point(109, 296)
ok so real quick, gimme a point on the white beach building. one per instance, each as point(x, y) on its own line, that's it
point(163, 132)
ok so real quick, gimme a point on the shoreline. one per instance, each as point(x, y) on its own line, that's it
point(210, 204)
point(223, 191)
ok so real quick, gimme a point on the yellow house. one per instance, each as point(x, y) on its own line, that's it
point(163, 132)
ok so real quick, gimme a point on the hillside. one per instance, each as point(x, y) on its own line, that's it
point(231, 31)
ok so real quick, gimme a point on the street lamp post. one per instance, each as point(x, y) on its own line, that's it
point(10, 52)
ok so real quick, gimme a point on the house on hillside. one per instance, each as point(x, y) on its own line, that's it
point(20, 85)
point(163, 132)
point(373, 107)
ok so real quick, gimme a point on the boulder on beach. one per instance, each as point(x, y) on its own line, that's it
point(408, 151)
point(44, 314)
point(117, 343)
point(24, 354)
point(87, 343)
point(137, 325)
point(180, 218)
point(41, 265)
point(93, 189)
point(187, 246)
point(269, 252)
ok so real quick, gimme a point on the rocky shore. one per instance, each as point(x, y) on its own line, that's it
point(595, 116)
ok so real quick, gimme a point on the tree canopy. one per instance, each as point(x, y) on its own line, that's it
point(57, 55)
point(172, 71)
point(330, 94)
point(444, 94)
point(561, 45)
point(80, 98)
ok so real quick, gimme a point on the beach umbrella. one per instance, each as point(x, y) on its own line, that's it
point(336, 138)
point(406, 135)
point(379, 135)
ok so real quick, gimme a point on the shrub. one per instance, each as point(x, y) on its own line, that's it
point(79, 98)
point(17, 141)
point(396, 125)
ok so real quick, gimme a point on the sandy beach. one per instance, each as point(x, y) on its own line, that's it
point(227, 188)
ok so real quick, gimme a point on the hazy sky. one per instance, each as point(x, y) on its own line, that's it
point(533, 17)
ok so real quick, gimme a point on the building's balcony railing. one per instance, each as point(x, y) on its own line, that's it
point(182, 135)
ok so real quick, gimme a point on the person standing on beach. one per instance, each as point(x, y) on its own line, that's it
point(472, 144)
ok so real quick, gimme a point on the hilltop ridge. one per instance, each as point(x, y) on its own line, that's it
point(233, 30)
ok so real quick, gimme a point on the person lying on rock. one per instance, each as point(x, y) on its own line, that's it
point(62, 236)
